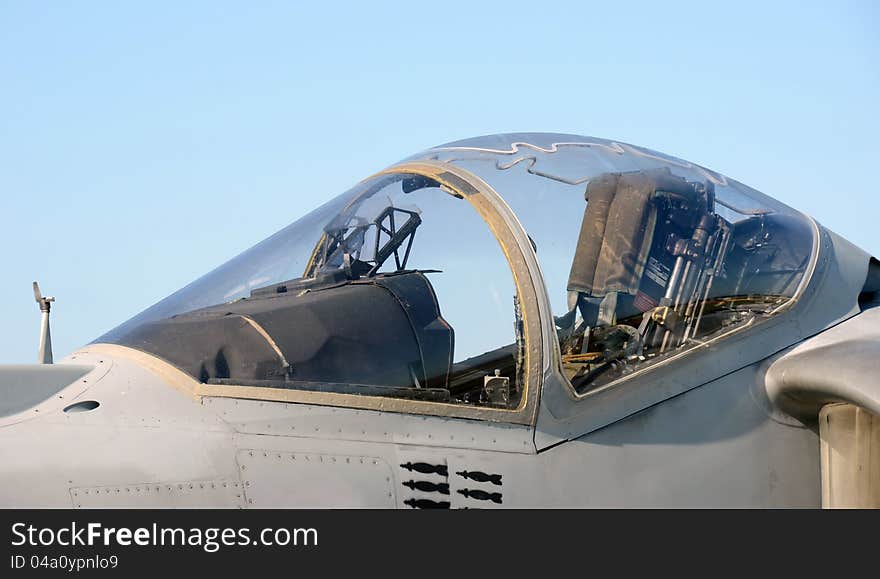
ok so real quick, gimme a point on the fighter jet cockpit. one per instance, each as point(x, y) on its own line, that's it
point(405, 287)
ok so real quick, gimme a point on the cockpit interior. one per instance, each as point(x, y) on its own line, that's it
point(657, 269)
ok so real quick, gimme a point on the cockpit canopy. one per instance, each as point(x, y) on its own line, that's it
point(400, 288)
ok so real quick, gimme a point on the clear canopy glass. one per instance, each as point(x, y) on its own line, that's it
point(642, 255)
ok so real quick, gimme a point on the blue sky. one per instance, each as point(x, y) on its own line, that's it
point(141, 145)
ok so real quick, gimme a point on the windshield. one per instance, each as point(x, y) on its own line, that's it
point(281, 256)
point(396, 288)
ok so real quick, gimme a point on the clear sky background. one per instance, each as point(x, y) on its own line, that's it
point(141, 145)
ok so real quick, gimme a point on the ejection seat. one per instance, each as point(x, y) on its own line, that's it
point(642, 236)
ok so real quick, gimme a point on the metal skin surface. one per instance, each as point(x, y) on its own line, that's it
point(27, 384)
point(731, 424)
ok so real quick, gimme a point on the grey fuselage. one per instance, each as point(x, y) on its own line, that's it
point(734, 423)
